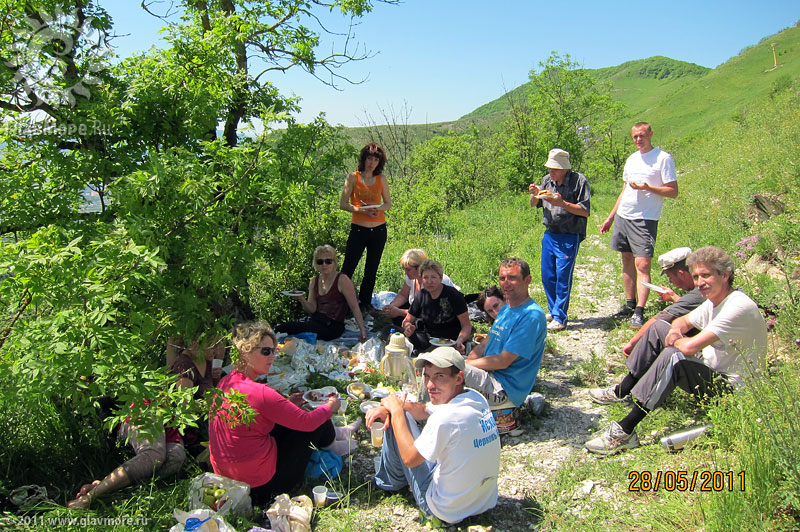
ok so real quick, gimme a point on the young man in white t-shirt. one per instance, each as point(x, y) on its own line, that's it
point(649, 177)
point(730, 346)
point(452, 465)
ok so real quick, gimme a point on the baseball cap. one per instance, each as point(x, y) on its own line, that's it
point(673, 257)
point(441, 357)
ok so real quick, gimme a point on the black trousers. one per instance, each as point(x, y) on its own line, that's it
point(371, 239)
point(294, 450)
point(325, 328)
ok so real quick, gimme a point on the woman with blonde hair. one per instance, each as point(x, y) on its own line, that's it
point(330, 293)
point(366, 195)
point(270, 453)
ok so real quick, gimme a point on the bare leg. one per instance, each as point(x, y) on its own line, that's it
point(629, 275)
point(116, 480)
point(643, 272)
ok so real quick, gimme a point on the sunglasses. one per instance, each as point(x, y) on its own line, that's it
point(324, 261)
point(267, 351)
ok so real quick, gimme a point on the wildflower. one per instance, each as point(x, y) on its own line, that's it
point(770, 323)
point(797, 342)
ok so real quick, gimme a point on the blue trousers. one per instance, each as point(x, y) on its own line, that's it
point(393, 475)
point(559, 251)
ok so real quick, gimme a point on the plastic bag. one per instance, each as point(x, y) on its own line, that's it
point(290, 515)
point(323, 463)
point(383, 298)
point(236, 494)
point(215, 524)
point(371, 350)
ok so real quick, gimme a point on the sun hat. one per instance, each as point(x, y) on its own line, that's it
point(441, 357)
point(673, 257)
point(559, 159)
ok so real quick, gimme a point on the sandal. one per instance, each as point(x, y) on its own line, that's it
point(25, 497)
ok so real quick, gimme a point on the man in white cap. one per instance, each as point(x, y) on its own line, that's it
point(648, 341)
point(649, 177)
point(564, 198)
point(452, 465)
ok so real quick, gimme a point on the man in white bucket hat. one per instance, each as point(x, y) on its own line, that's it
point(564, 197)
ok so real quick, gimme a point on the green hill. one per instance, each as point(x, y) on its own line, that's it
point(630, 81)
point(679, 98)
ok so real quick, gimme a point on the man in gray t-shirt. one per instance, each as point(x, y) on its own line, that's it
point(648, 341)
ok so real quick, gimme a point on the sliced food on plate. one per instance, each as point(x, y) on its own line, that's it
point(293, 293)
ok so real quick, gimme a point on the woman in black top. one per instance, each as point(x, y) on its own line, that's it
point(437, 311)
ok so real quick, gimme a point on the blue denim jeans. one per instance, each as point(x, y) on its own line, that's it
point(393, 475)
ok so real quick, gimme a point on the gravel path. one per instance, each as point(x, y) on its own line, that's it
point(533, 453)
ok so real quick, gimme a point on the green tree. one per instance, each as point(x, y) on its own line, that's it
point(565, 108)
point(184, 210)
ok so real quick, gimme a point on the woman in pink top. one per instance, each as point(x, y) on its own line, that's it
point(272, 452)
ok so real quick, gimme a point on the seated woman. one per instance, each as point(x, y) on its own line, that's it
point(438, 310)
point(330, 292)
point(272, 452)
point(410, 261)
point(163, 456)
point(490, 301)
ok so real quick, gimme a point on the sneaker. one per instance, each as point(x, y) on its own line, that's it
point(535, 403)
point(624, 312)
point(554, 326)
point(637, 320)
point(612, 440)
point(548, 317)
point(604, 396)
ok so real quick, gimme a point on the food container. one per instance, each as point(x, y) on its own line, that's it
point(319, 396)
point(356, 388)
point(367, 405)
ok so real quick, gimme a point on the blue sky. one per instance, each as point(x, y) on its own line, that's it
point(444, 58)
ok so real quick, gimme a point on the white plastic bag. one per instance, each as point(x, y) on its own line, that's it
point(215, 524)
point(290, 515)
point(236, 496)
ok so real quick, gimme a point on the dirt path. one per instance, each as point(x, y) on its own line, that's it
point(532, 454)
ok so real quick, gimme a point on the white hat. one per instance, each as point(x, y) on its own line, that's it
point(558, 159)
point(441, 357)
point(673, 257)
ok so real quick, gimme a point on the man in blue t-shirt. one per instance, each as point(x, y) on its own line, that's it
point(504, 368)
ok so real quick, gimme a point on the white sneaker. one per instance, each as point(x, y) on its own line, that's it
point(554, 326)
point(612, 440)
point(548, 317)
point(604, 396)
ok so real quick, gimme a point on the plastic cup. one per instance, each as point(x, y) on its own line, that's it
point(320, 496)
point(343, 405)
point(377, 463)
point(376, 433)
point(216, 363)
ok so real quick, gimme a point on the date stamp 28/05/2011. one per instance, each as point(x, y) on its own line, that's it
point(686, 481)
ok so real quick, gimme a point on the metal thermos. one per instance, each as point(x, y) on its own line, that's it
point(678, 440)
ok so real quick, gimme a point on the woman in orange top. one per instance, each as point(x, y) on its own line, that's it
point(366, 195)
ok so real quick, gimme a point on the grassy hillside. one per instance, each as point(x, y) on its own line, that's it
point(650, 78)
point(679, 98)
